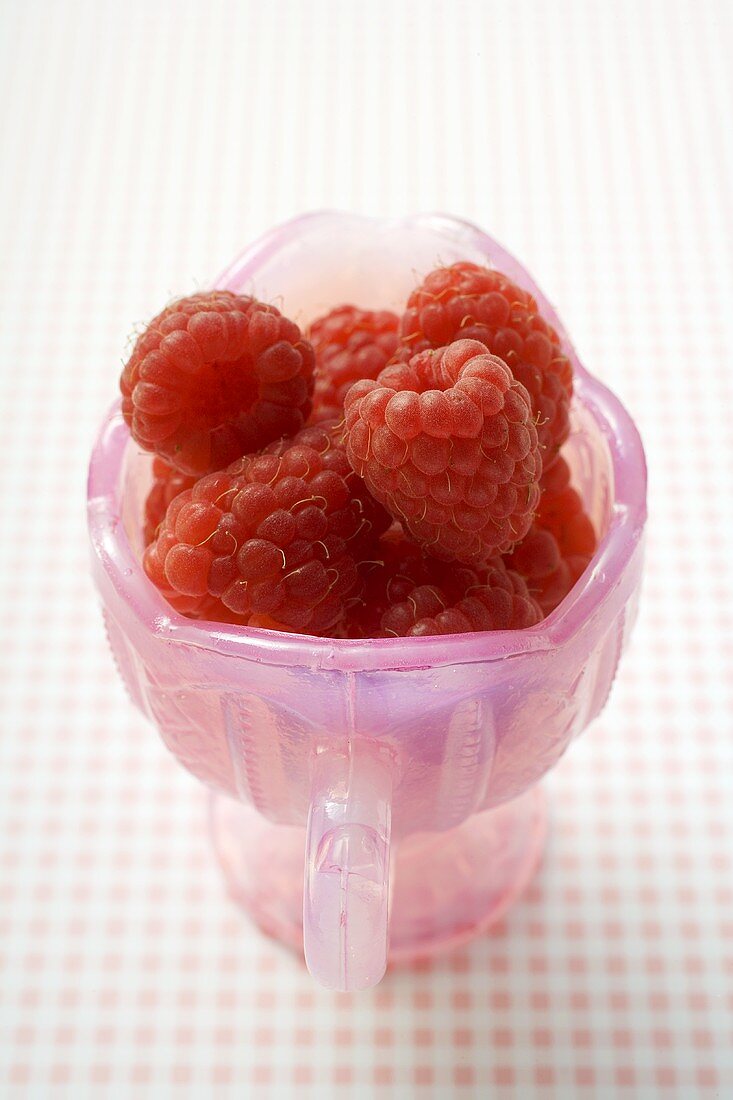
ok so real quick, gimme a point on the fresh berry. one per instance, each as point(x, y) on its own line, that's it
point(213, 377)
point(560, 544)
point(403, 586)
point(556, 477)
point(494, 598)
point(549, 586)
point(397, 565)
point(167, 484)
point(276, 535)
point(537, 556)
point(477, 303)
point(349, 344)
point(447, 442)
point(561, 511)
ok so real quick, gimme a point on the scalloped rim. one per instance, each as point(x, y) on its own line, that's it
point(112, 548)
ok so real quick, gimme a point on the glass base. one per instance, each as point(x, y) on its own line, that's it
point(447, 886)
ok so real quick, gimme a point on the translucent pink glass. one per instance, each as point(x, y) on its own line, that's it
point(374, 799)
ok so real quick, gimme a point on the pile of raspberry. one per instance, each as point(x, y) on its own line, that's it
point(377, 476)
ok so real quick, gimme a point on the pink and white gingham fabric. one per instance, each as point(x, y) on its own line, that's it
point(143, 144)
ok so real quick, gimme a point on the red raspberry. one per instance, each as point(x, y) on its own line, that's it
point(555, 478)
point(396, 567)
point(167, 484)
point(477, 303)
point(276, 535)
point(349, 344)
point(561, 511)
point(537, 556)
point(560, 544)
point(213, 377)
point(493, 599)
point(448, 444)
point(548, 583)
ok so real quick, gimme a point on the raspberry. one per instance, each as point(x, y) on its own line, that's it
point(213, 377)
point(477, 303)
point(549, 583)
point(556, 477)
point(404, 585)
point(274, 538)
point(492, 599)
point(448, 444)
point(396, 567)
point(349, 344)
point(537, 556)
point(560, 544)
point(561, 511)
point(167, 484)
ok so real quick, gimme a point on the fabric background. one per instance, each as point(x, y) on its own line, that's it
point(143, 145)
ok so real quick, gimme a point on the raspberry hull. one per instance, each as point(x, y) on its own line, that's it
point(447, 442)
point(215, 376)
point(273, 541)
point(477, 303)
point(349, 344)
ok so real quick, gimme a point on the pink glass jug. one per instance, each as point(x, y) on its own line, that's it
point(375, 798)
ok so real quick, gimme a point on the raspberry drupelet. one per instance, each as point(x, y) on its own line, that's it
point(349, 344)
point(272, 540)
point(468, 301)
point(448, 443)
point(213, 377)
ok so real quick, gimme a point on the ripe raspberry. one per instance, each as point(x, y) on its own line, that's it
point(276, 534)
point(448, 444)
point(396, 566)
point(349, 344)
point(560, 544)
point(477, 303)
point(561, 511)
point(213, 377)
point(548, 574)
point(494, 598)
point(167, 484)
point(556, 478)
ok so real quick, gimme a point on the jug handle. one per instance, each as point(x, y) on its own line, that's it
point(347, 866)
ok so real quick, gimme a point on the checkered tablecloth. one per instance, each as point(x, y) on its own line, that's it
point(143, 144)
